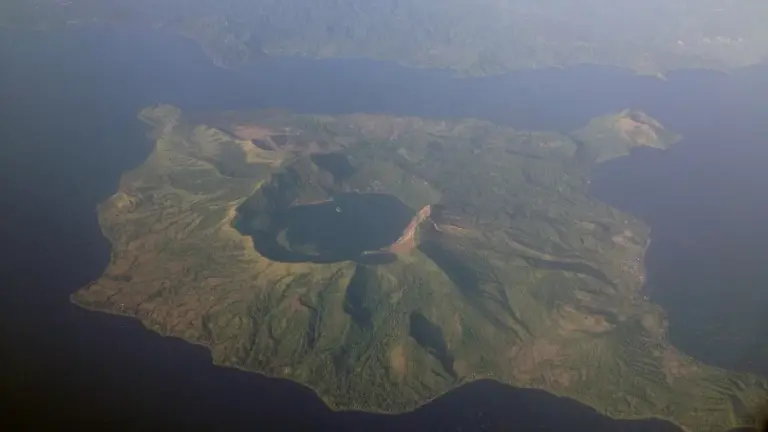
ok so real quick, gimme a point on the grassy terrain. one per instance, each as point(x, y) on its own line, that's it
point(474, 37)
point(513, 272)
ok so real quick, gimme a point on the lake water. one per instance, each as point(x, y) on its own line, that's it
point(341, 229)
point(68, 129)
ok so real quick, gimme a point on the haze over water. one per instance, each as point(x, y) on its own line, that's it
point(68, 129)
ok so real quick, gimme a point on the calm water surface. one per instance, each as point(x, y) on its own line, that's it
point(68, 129)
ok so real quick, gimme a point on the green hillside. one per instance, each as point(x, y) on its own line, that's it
point(384, 261)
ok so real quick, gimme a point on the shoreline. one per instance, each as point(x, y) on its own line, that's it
point(338, 408)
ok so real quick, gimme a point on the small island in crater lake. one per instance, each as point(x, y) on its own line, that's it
point(384, 261)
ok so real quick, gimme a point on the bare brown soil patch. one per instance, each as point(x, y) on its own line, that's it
point(639, 133)
point(268, 140)
point(626, 238)
point(462, 368)
point(458, 328)
point(572, 320)
point(407, 241)
point(562, 377)
point(541, 359)
point(676, 365)
point(531, 357)
point(397, 361)
point(252, 132)
point(124, 202)
point(654, 324)
point(296, 305)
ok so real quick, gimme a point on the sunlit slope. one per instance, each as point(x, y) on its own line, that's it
point(506, 270)
point(474, 37)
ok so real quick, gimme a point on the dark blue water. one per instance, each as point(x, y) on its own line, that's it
point(341, 229)
point(68, 129)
